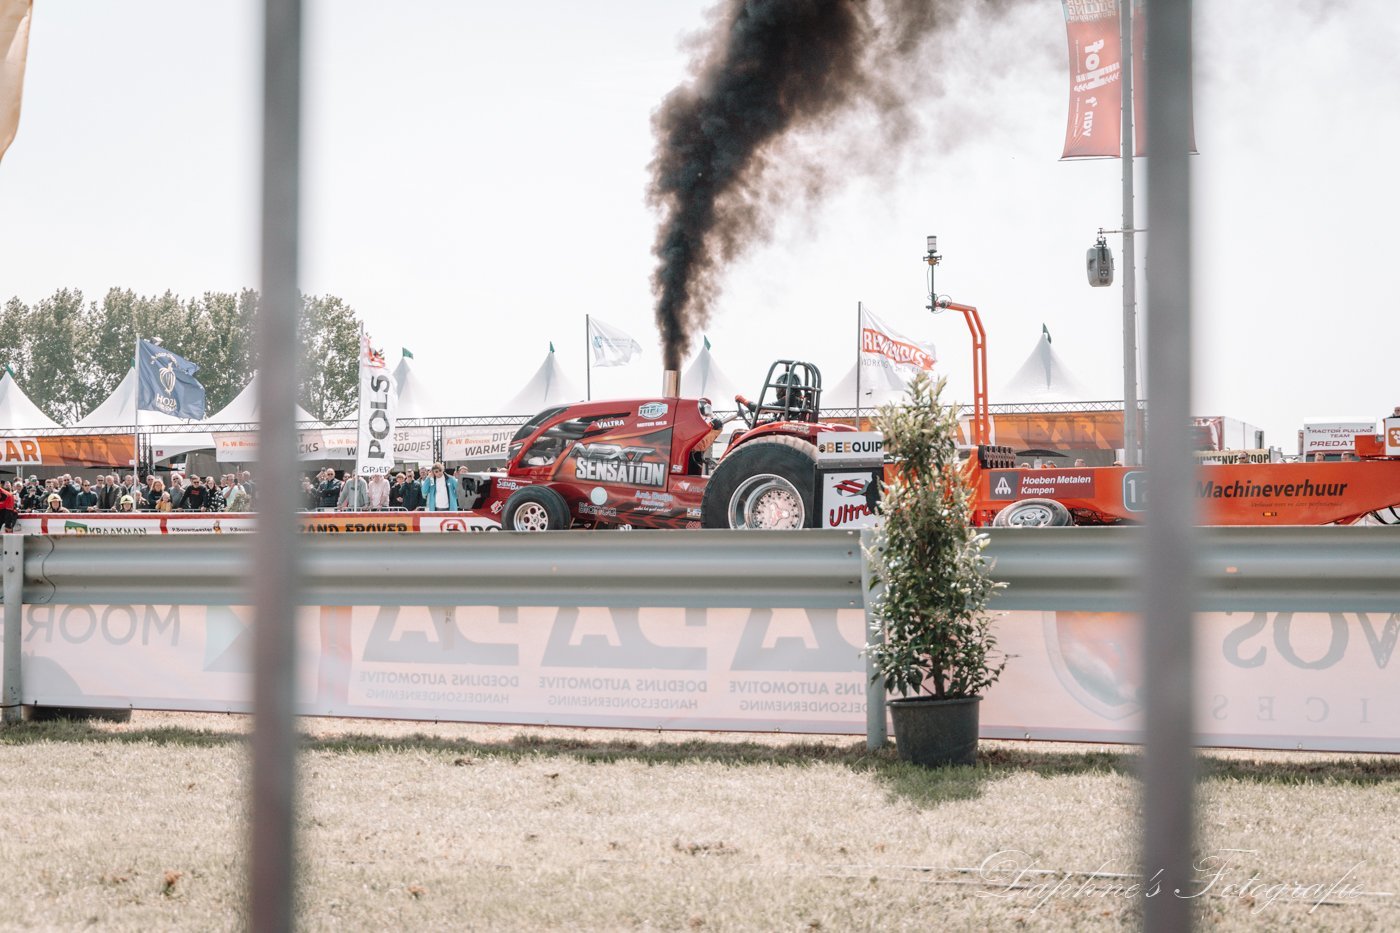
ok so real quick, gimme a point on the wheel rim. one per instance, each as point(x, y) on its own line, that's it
point(531, 516)
point(1030, 516)
point(767, 501)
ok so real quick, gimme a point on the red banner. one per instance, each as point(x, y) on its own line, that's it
point(1096, 79)
point(1095, 128)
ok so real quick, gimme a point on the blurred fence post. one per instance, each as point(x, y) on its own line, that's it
point(876, 729)
point(12, 553)
point(274, 583)
point(1168, 569)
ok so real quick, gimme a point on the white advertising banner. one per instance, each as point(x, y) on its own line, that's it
point(1296, 680)
point(182, 523)
point(724, 669)
point(1257, 455)
point(414, 445)
point(1265, 680)
point(477, 443)
point(1334, 436)
point(242, 446)
point(339, 443)
point(374, 444)
point(883, 346)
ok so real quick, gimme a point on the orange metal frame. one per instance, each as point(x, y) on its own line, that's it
point(981, 412)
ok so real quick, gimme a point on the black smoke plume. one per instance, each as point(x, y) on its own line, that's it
point(770, 70)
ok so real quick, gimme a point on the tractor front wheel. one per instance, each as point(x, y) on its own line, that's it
point(535, 508)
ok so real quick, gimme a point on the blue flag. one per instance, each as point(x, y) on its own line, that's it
point(165, 382)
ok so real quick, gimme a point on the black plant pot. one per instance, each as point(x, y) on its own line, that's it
point(933, 732)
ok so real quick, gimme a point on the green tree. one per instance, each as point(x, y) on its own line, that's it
point(69, 357)
point(49, 369)
point(330, 357)
point(222, 344)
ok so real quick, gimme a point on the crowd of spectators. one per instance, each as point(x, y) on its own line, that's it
point(232, 492)
point(430, 488)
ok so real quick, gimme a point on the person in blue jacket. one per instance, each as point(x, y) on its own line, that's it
point(439, 491)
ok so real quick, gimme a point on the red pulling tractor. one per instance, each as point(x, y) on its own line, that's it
point(646, 463)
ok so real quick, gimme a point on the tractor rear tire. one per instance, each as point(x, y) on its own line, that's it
point(536, 508)
point(765, 483)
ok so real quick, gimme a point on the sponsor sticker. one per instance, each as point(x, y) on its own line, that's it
point(836, 447)
point(613, 463)
point(1054, 484)
point(318, 525)
point(457, 524)
point(849, 498)
point(652, 410)
point(206, 526)
point(72, 527)
point(1003, 484)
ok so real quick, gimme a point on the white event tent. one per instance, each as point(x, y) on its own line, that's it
point(703, 378)
point(415, 399)
point(244, 408)
point(241, 446)
point(879, 384)
point(548, 387)
point(17, 411)
point(1042, 377)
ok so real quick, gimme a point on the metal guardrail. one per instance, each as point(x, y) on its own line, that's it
point(1257, 569)
point(1292, 568)
point(818, 569)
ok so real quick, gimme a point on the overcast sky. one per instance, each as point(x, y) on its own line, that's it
point(475, 178)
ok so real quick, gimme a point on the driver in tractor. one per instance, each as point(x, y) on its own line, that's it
point(792, 397)
point(793, 400)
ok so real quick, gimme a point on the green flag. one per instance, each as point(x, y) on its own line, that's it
point(407, 353)
point(707, 343)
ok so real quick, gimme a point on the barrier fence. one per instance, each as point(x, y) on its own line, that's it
point(757, 631)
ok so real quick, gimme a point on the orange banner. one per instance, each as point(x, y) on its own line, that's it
point(92, 450)
point(1068, 430)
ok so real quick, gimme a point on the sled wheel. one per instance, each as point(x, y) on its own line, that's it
point(535, 508)
point(1033, 513)
point(766, 483)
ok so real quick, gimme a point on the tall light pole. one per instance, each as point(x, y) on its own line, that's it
point(1130, 381)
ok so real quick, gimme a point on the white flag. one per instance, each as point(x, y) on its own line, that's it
point(610, 346)
point(374, 453)
point(14, 46)
point(884, 348)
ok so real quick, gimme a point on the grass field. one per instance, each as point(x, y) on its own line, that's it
point(140, 826)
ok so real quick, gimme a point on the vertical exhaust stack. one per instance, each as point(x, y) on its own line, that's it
point(671, 383)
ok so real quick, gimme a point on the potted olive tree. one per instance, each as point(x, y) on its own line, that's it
point(930, 638)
